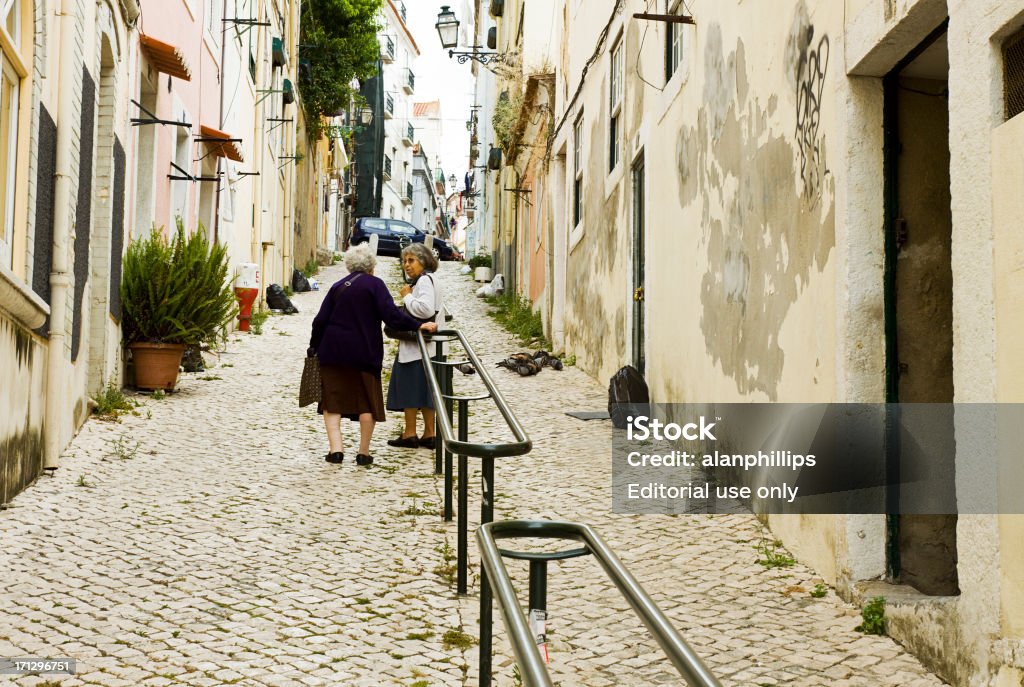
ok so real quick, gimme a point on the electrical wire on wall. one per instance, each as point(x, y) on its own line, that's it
point(569, 109)
point(640, 50)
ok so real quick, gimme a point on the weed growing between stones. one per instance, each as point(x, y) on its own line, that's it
point(256, 323)
point(111, 402)
point(774, 556)
point(124, 449)
point(420, 636)
point(819, 591)
point(457, 639)
point(516, 314)
point(158, 395)
point(83, 483)
point(873, 615)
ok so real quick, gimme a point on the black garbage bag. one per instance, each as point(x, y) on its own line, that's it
point(627, 395)
point(192, 360)
point(299, 282)
point(276, 300)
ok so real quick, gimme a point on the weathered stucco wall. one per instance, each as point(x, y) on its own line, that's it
point(740, 212)
point(22, 383)
point(1008, 249)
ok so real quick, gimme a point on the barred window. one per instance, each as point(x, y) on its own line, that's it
point(1013, 74)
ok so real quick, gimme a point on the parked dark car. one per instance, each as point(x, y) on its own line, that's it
point(394, 234)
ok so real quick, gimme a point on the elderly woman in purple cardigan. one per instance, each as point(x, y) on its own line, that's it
point(348, 340)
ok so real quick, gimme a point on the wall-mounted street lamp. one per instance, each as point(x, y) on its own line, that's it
point(448, 30)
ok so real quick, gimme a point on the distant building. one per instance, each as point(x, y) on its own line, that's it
point(385, 150)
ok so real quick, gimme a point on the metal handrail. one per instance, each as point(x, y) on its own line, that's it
point(444, 399)
point(519, 447)
point(524, 645)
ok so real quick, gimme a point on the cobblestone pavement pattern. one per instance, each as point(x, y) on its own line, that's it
point(204, 541)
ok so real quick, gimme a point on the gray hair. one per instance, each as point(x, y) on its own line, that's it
point(422, 254)
point(360, 259)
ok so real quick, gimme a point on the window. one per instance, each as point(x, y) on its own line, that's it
point(615, 107)
point(12, 71)
point(1013, 74)
point(577, 187)
point(675, 45)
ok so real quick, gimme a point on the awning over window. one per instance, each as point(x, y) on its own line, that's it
point(165, 58)
point(221, 143)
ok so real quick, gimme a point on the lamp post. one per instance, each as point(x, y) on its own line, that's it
point(452, 181)
point(448, 30)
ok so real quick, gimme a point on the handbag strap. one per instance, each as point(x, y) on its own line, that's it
point(348, 282)
point(434, 284)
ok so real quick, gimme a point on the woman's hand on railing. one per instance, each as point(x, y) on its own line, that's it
point(429, 327)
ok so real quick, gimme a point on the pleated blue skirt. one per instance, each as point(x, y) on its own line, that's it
point(408, 387)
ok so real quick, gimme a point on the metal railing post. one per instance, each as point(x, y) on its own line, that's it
point(538, 586)
point(487, 496)
point(438, 447)
point(462, 573)
point(446, 384)
point(486, 629)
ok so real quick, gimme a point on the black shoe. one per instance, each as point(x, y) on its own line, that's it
point(428, 442)
point(337, 457)
point(363, 459)
point(405, 442)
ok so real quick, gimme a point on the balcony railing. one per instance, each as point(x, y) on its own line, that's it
point(387, 49)
point(402, 13)
point(408, 135)
point(389, 107)
point(387, 167)
point(407, 192)
point(410, 81)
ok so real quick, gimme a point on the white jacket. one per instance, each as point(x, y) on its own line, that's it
point(424, 301)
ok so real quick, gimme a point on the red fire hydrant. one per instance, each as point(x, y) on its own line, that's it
point(247, 288)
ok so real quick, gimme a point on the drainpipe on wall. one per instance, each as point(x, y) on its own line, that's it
point(221, 125)
point(60, 280)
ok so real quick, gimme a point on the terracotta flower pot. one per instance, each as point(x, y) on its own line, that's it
point(156, 364)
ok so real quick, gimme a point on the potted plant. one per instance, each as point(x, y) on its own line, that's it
point(175, 293)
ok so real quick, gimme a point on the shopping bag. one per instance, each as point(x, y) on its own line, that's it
point(309, 387)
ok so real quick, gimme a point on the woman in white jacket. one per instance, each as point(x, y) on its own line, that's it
point(408, 390)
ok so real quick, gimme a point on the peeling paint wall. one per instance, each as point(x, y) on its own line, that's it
point(740, 214)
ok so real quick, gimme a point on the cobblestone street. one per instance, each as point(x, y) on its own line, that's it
point(204, 541)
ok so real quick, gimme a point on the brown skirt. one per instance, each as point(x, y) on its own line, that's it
point(349, 392)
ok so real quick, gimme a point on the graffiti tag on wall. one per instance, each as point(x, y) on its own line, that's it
point(811, 70)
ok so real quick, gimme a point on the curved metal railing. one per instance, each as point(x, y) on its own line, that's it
point(524, 641)
point(439, 378)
